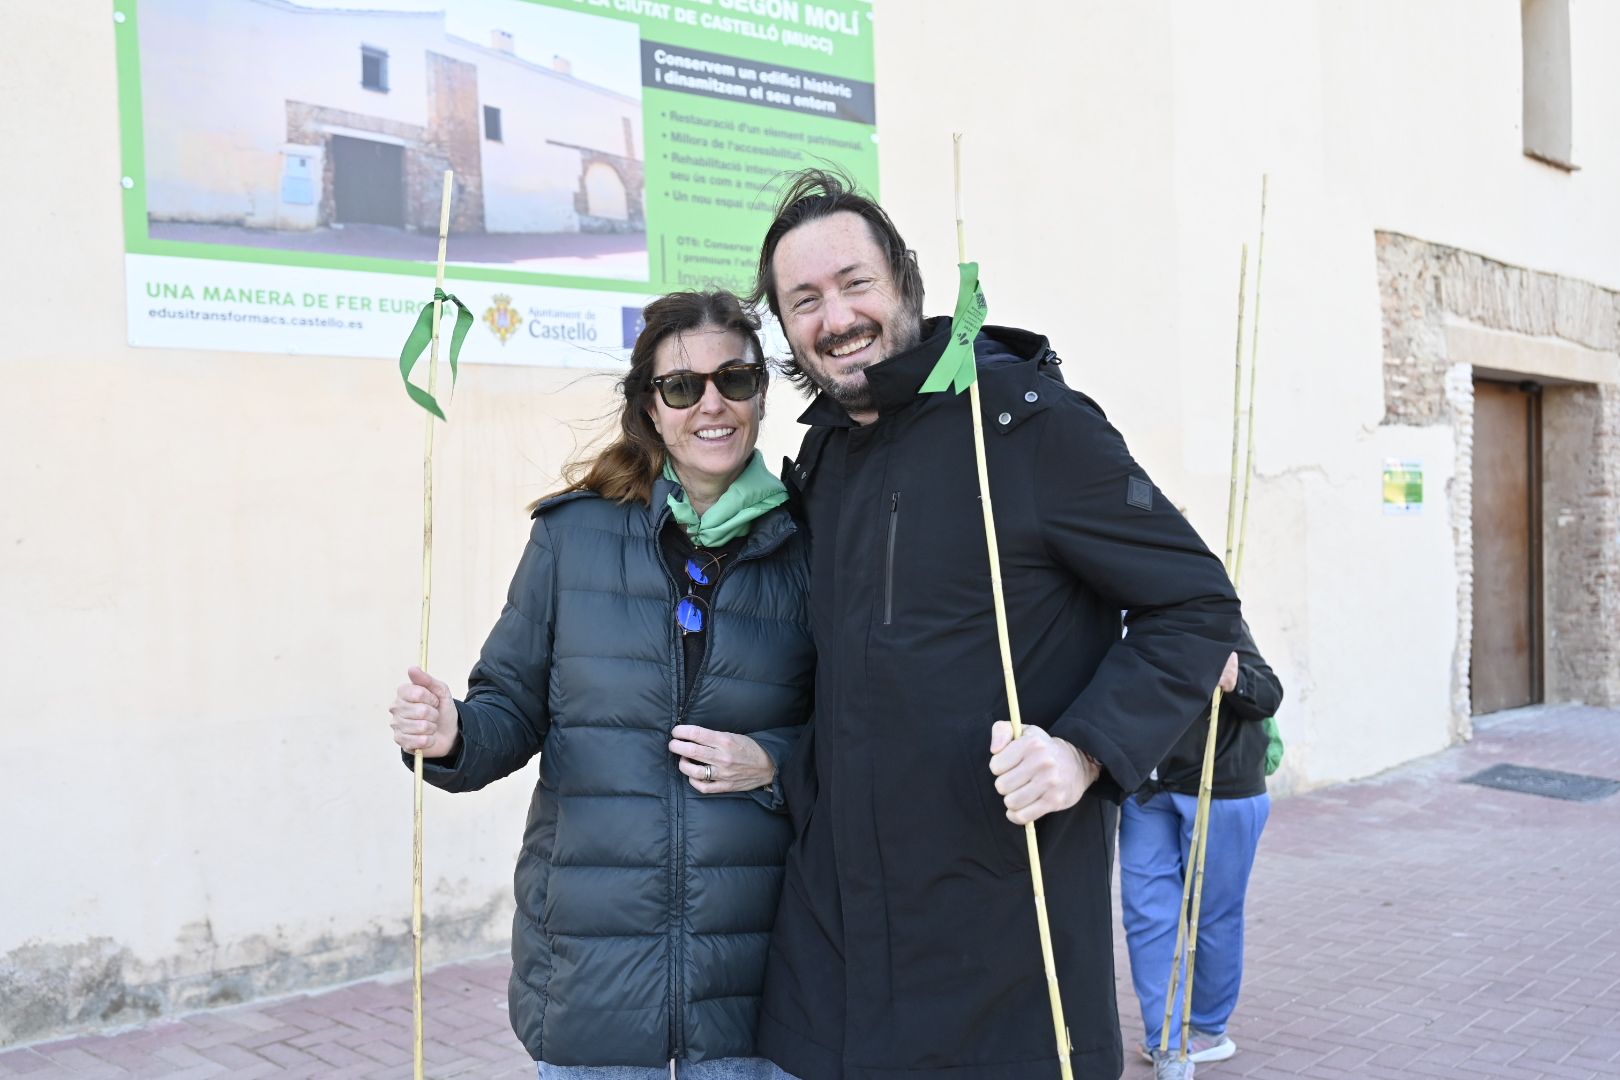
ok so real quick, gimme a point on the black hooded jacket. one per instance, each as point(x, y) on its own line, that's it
point(1240, 738)
point(906, 941)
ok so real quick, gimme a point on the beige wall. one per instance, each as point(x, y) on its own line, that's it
point(210, 560)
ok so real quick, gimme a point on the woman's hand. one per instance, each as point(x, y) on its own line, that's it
point(720, 761)
point(424, 715)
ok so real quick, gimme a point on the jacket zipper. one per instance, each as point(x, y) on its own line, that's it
point(888, 565)
point(683, 700)
point(677, 803)
point(677, 1030)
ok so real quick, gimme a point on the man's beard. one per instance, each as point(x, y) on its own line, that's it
point(855, 393)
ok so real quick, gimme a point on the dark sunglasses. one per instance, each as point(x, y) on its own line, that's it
point(736, 382)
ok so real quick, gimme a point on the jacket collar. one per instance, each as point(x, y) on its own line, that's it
point(896, 381)
point(767, 534)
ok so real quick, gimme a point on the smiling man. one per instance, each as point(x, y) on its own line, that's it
point(906, 940)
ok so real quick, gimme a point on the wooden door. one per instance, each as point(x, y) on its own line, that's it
point(368, 182)
point(1506, 668)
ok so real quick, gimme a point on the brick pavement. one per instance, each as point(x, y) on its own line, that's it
point(1406, 926)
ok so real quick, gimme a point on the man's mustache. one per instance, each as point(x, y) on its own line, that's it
point(832, 341)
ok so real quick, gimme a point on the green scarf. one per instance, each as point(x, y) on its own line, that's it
point(752, 495)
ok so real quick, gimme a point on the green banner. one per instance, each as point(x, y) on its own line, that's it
point(599, 148)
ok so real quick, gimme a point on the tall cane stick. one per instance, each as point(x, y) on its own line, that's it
point(1059, 1027)
point(427, 605)
point(1192, 884)
point(1198, 849)
point(1254, 364)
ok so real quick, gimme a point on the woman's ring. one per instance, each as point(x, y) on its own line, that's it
point(709, 776)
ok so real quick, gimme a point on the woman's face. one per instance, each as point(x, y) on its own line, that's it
point(710, 442)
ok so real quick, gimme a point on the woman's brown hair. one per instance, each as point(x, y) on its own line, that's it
point(626, 469)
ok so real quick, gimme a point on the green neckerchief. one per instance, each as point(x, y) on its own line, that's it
point(752, 495)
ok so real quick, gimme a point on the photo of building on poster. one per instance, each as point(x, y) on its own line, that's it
point(305, 126)
point(284, 161)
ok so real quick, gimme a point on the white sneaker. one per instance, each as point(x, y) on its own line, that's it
point(1171, 1067)
point(1204, 1047)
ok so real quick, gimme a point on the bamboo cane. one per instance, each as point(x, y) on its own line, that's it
point(1186, 922)
point(422, 654)
point(1206, 787)
point(1061, 1030)
point(1200, 840)
point(1254, 354)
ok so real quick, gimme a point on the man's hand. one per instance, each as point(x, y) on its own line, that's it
point(424, 715)
point(1037, 774)
point(1229, 676)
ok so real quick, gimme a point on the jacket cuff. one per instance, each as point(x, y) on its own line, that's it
point(770, 796)
point(778, 744)
point(439, 770)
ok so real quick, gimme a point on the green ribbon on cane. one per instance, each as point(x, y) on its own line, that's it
point(957, 366)
point(421, 336)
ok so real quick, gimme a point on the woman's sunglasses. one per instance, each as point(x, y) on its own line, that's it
point(736, 382)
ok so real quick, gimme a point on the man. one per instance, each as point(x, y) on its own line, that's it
point(906, 940)
point(1154, 830)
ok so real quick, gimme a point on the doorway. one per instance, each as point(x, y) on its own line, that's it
point(1507, 666)
point(368, 182)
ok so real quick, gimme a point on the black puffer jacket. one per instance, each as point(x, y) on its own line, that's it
point(643, 908)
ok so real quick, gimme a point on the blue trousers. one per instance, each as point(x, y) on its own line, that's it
point(736, 1068)
point(1153, 841)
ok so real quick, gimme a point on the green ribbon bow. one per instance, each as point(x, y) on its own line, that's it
point(421, 334)
point(956, 364)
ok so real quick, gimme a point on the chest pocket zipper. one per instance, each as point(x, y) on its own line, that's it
point(888, 563)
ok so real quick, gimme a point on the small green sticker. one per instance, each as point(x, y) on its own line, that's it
point(1403, 487)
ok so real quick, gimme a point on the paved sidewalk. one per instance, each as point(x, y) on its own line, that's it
point(1408, 926)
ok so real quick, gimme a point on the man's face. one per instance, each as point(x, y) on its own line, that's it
point(841, 309)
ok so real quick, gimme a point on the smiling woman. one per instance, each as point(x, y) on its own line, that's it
point(711, 398)
point(648, 768)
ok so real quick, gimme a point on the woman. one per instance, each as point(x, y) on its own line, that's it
point(655, 651)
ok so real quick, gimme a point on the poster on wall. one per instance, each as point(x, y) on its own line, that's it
point(283, 161)
point(1403, 487)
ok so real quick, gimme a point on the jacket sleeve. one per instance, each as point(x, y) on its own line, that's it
point(1180, 609)
point(504, 720)
point(1258, 693)
point(778, 743)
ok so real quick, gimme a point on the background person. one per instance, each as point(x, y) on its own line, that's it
point(1155, 830)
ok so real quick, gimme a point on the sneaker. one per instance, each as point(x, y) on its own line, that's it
point(1170, 1067)
point(1206, 1047)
